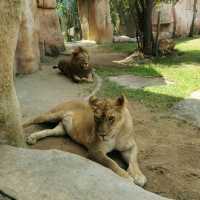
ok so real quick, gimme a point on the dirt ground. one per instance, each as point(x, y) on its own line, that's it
point(169, 151)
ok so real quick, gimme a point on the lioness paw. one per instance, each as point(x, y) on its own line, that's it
point(31, 140)
point(140, 180)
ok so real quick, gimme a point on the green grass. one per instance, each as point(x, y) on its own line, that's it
point(126, 47)
point(183, 70)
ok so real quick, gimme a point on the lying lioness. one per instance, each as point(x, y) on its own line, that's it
point(101, 125)
point(77, 66)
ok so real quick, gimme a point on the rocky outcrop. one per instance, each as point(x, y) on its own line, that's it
point(43, 175)
point(39, 35)
point(51, 40)
point(27, 52)
point(95, 20)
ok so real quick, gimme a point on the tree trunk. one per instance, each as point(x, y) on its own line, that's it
point(174, 19)
point(10, 119)
point(95, 20)
point(148, 39)
point(193, 19)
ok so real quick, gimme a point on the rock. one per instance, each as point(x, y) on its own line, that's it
point(44, 175)
point(189, 109)
point(4, 197)
point(51, 39)
point(27, 52)
point(137, 82)
point(48, 4)
point(123, 38)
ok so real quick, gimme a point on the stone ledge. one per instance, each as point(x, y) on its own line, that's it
point(41, 175)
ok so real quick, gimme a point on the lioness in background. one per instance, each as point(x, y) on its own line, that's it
point(77, 66)
point(101, 125)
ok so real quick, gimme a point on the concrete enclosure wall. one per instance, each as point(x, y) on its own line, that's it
point(177, 18)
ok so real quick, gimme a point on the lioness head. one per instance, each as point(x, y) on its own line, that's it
point(80, 57)
point(107, 115)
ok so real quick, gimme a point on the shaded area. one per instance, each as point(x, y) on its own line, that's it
point(4, 196)
point(62, 176)
point(47, 88)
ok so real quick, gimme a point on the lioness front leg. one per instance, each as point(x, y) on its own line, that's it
point(57, 131)
point(103, 159)
point(130, 157)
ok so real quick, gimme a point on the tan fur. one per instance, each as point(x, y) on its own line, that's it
point(101, 125)
point(77, 66)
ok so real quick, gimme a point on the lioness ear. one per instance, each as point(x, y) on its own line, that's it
point(92, 100)
point(120, 100)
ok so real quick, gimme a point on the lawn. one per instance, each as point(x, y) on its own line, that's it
point(182, 69)
point(126, 47)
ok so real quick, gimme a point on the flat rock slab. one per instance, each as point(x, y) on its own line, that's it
point(55, 175)
point(137, 82)
point(189, 109)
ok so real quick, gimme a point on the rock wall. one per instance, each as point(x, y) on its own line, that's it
point(51, 40)
point(27, 55)
point(95, 20)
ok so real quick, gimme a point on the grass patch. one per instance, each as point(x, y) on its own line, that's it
point(145, 71)
point(126, 47)
point(183, 70)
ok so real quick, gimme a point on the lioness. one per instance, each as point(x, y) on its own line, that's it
point(77, 66)
point(101, 125)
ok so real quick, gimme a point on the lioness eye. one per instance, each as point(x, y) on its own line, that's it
point(111, 119)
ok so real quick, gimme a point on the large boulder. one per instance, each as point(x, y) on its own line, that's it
point(27, 52)
point(44, 175)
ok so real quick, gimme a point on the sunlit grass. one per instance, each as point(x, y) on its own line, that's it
point(183, 70)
